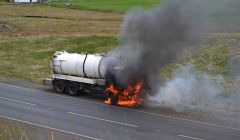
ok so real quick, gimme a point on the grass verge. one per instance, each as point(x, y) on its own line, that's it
point(13, 130)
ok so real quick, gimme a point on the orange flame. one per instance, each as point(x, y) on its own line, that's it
point(128, 97)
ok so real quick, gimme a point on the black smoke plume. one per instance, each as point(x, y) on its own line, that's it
point(152, 39)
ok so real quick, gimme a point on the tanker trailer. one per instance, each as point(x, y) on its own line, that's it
point(75, 73)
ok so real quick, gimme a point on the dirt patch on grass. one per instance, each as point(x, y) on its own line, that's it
point(6, 30)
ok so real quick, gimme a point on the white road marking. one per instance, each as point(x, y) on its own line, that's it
point(55, 129)
point(101, 119)
point(144, 112)
point(189, 137)
point(188, 120)
point(13, 100)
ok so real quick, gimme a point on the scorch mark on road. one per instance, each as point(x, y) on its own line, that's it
point(101, 119)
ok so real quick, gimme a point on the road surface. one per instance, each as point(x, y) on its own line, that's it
point(96, 121)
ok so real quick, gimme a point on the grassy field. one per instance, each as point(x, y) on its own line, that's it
point(28, 39)
point(28, 57)
point(119, 6)
point(20, 20)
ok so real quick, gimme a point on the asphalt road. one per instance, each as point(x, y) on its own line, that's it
point(93, 120)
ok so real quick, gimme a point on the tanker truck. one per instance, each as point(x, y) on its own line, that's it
point(75, 73)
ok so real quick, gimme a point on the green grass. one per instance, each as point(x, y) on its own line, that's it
point(28, 58)
point(213, 58)
point(119, 6)
point(28, 39)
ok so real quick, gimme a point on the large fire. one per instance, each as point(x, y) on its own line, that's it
point(126, 97)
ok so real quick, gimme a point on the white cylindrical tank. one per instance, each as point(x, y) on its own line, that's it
point(83, 65)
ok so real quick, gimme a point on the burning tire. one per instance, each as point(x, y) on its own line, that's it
point(114, 99)
point(72, 88)
point(59, 85)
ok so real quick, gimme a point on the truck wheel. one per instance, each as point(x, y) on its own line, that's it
point(59, 85)
point(72, 88)
point(114, 99)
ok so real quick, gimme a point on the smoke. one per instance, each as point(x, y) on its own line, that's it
point(152, 39)
point(190, 90)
